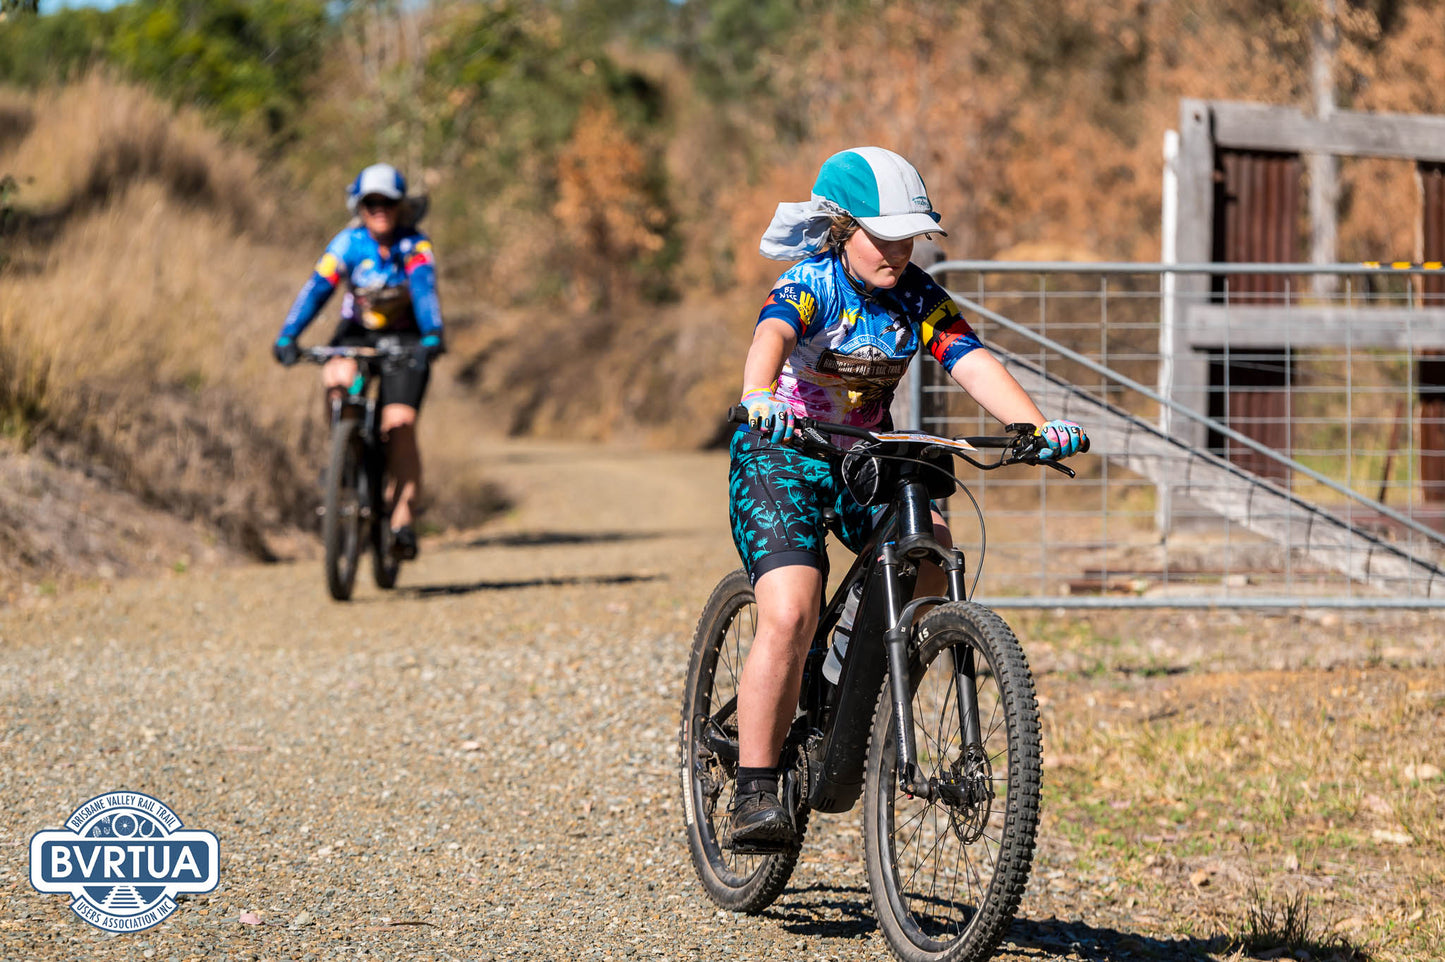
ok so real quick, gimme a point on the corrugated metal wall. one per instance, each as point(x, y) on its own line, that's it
point(1430, 368)
point(1256, 220)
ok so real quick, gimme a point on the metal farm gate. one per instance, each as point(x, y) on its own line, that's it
point(1196, 491)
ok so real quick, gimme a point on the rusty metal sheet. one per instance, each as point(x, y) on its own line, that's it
point(1257, 208)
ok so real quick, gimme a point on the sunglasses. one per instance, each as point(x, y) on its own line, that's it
point(376, 202)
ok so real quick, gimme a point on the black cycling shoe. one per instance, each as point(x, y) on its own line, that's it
point(403, 543)
point(760, 823)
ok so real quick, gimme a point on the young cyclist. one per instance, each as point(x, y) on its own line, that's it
point(832, 341)
point(388, 267)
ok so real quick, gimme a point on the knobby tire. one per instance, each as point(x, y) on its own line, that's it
point(947, 876)
point(341, 521)
point(735, 881)
point(384, 565)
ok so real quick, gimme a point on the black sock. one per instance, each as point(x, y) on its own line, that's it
point(757, 780)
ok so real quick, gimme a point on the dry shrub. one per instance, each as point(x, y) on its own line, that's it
point(602, 203)
point(148, 273)
point(94, 138)
point(135, 347)
point(1379, 210)
point(139, 294)
point(1027, 148)
point(649, 374)
point(16, 119)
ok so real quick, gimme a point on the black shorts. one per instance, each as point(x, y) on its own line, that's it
point(402, 383)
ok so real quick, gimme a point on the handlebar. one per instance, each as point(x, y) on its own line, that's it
point(1020, 446)
point(384, 352)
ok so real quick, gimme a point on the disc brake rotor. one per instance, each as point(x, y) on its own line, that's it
point(973, 774)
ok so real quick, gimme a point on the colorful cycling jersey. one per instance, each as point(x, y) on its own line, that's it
point(396, 293)
point(854, 347)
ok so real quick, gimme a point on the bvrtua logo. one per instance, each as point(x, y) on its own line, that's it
point(123, 857)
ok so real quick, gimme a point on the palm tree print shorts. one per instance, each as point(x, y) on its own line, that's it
point(776, 498)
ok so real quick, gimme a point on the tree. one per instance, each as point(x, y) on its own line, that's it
point(248, 60)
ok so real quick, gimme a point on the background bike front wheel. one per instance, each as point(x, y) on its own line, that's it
point(341, 523)
point(947, 873)
point(735, 881)
point(384, 565)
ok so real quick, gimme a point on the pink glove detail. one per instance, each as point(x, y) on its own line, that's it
point(1063, 438)
point(769, 415)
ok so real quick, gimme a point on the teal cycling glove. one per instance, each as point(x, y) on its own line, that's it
point(1063, 439)
point(285, 351)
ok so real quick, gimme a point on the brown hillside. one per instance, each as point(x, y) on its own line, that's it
point(145, 263)
point(146, 269)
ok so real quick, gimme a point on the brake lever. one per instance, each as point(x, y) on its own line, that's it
point(1062, 468)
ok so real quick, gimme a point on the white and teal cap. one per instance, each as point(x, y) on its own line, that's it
point(880, 189)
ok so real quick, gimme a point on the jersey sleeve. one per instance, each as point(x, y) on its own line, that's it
point(419, 262)
point(794, 304)
point(947, 335)
point(318, 287)
point(942, 328)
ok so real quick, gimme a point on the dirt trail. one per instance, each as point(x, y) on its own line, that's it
point(478, 765)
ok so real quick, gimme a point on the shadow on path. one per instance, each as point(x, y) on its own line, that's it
point(536, 539)
point(437, 591)
point(827, 911)
point(846, 912)
point(1055, 938)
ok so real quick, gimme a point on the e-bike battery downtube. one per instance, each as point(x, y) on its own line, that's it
point(841, 755)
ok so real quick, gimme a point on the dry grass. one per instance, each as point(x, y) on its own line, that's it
point(641, 374)
point(87, 142)
point(145, 272)
point(1302, 811)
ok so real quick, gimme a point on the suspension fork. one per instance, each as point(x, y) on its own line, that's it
point(900, 619)
point(964, 676)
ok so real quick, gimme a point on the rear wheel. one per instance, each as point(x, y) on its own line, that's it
point(341, 522)
point(947, 873)
point(734, 880)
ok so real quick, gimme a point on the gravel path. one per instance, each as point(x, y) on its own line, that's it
point(480, 765)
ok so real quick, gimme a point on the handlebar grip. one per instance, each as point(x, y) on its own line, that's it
point(1084, 448)
point(737, 414)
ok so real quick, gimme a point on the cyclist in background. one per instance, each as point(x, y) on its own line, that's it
point(390, 273)
point(831, 343)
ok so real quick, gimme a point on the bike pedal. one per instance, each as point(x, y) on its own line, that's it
point(756, 848)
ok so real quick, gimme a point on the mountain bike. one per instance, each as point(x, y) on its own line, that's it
point(356, 509)
point(934, 723)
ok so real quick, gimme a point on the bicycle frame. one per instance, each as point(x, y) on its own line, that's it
point(361, 397)
point(887, 563)
point(831, 735)
point(370, 363)
point(357, 396)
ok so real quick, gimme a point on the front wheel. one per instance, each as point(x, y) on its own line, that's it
point(341, 523)
point(385, 565)
point(709, 760)
point(947, 872)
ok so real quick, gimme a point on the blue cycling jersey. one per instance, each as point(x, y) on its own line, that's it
point(854, 346)
point(391, 293)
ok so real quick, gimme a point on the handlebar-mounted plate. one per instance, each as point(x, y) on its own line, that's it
point(957, 444)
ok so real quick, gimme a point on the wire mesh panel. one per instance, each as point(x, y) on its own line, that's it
point(1193, 494)
point(1430, 370)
